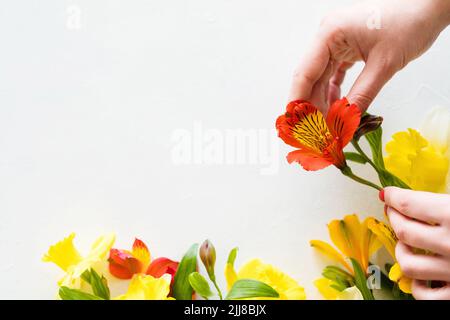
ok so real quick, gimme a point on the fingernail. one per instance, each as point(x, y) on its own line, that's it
point(381, 195)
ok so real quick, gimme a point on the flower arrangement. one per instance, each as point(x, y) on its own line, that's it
point(87, 278)
point(418, 160)
point(415, 160)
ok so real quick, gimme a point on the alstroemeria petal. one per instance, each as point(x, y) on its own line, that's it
point(353, 231)
point(123, 265)
point(141, 252)
point(309, 160)
point(330, 252)
point(63, 253)
point(384, 233)
point(339, 237)
point(162, 266)
point(343, 119)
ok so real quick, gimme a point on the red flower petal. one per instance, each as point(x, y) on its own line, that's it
point(141, 252)
point(343, 120)
point(309, 160)
point(161, 266)
point(123, 265)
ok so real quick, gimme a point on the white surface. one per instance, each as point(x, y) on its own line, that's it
point(87, 117)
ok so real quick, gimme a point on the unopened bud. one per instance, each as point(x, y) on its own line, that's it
point(208, 257)
point(368, 124)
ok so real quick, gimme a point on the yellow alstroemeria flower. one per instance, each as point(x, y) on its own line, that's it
point(421, 159)
point(255, 269)
point(389, 240)
point(144, 287)
point(66, 256)
point(354, 240)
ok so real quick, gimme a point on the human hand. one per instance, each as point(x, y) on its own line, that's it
point(408, 28)
point(421, 220)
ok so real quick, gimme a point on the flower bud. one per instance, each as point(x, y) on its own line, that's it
point(368, 124)
point(208, 257)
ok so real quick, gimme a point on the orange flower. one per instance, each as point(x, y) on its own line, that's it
point(319, 140)
point(123, 264)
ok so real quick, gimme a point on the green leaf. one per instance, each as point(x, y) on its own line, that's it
point(248, 288)
point(388, 179)
point(361, 281)
point(341, 278)
point(74, 294)
point(99, 285)
point(182, 289)
point(376, 145)
point(200, 285)
point(232, 256)
point(355, 157)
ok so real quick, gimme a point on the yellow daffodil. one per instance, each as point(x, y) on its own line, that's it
point(287, 287)
point(66, 256)
point(144, 287)
point(389, 240)
point(354, 240)
point(421, 159)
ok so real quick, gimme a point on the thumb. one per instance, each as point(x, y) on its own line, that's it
point(377, 71)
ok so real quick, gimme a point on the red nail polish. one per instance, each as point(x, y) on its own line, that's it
point(381, 195)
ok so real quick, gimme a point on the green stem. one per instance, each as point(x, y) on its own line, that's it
point(365, 156)
point(346, 171)
point(217, 288)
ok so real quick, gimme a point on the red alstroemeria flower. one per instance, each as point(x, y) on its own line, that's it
point(123, 264)
point(162, 266)
point(319, 140)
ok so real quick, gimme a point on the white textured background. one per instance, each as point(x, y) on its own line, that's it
point(87, 116)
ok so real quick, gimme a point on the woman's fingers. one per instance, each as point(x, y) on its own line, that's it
point(421, 291)
point(424, 206)
point(377, 71)
point(310, 70)
point(334, 87)
point(420, 266)
point(417, 234)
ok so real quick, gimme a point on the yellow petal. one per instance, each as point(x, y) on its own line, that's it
point(141, 252)
point(395, 273)
point(286, 286)
point(325, 289)
point(144, 287)
point(405, 285)
point(436, 128)
point(353, 229)
point(101, 247)
point(330, 252)
point(384, 233)
point(339, 238)
point(421, 164)
point(369, 244)
point(230, 275)
point(63, 253)
point(351, 293)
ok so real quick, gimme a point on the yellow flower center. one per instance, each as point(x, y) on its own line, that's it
point(312, 131)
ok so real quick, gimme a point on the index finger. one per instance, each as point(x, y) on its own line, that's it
point(310, 69)
point(424, 206)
